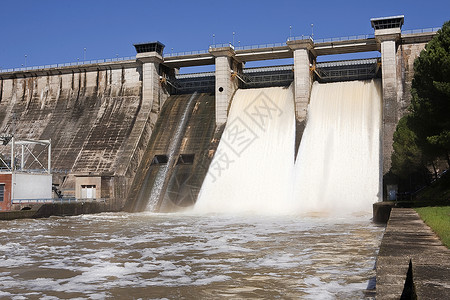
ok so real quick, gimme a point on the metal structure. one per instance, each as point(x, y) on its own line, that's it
point(23, 155)
point(358, 69)
point(387, 22)
point(345, 70)
point(268, 76)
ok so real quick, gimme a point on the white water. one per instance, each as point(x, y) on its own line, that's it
point(338, 163)
point(337, 166)
point(252, 168)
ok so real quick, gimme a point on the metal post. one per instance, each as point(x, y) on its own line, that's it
point(312, 31)
point(12, 154)
point(214, 39)
point(84, 55)
point(49, 155)
point(26, 60)
point(21, 161)
point(233, 37)
point(290, 32)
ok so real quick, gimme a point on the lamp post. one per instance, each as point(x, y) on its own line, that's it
point(290, 32)
point(312, 31)
point(214, 40)
point(233, 37)
point(84, 55)
point(26, 60)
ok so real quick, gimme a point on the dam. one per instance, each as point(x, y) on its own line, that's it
point(137, 129)
point(211, 164)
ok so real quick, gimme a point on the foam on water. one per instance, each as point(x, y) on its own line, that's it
point(155, 256)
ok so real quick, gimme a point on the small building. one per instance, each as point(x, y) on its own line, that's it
point(19, 184)
point(24, 188)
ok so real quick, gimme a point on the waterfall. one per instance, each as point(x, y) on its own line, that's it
point(162, 177)
point(338, 162)
point(252, 168)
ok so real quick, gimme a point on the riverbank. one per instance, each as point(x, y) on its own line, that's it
point(412, 260)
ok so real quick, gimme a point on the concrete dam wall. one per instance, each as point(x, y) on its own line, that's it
point(96, 120)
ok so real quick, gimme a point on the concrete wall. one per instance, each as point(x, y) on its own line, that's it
point(406, 54)
point(94, 115)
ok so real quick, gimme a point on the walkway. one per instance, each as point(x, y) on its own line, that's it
point(408, 238)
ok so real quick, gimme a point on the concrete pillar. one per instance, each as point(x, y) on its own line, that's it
point(387, 38)
point(150, 77)
point(226, 84)
point(303, 79)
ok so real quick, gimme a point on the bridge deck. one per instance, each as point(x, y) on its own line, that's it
point(354, 44)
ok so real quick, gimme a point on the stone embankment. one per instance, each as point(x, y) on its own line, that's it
point(412, 262)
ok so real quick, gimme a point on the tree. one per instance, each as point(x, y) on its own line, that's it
point(430, 105)
point(407, 157)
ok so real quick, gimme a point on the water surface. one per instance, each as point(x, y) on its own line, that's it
point(131, 256)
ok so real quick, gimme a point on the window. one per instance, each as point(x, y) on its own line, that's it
point(186, 159)
point(2, 192)
point(159, 160)
point(88, 192)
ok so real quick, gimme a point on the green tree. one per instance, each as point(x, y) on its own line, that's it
point(430, 105)
point(407, 157)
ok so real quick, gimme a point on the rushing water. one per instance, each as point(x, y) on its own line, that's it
point(182, 256)
point(338, 163)
point(252, 170)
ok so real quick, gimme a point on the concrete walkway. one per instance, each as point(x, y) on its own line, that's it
point(408, 238)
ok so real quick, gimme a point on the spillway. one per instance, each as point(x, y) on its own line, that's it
point(252, 168)
point(338, 162)
point(176, 159)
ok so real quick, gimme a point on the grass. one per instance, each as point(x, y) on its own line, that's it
point(438, 218)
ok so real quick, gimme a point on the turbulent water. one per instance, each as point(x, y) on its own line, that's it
point(154, 256)
point(252, 168)
point(338, 163)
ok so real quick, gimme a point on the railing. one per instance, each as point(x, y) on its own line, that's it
point(269, 69)
point(199, 52)
point(261, 46)
point(225, 45)
point(78, 63)
point(362, 61)
point(57, 200)
point(194, 75)
point(195, 52)
point(344, 38)
point(425, 30)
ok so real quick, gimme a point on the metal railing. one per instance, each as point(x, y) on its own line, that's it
point(199, 52)
point(425, 30)
point(224, 45)
point(57, 200)
point(261, 46)
point(195, 52)
point(195, 75)
point(344, 38)
point(362, 61)
point(78, 63)
point(268, 69)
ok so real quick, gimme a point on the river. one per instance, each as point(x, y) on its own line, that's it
point(187, 256)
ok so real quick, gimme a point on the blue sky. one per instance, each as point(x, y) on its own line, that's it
point(50, 31)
